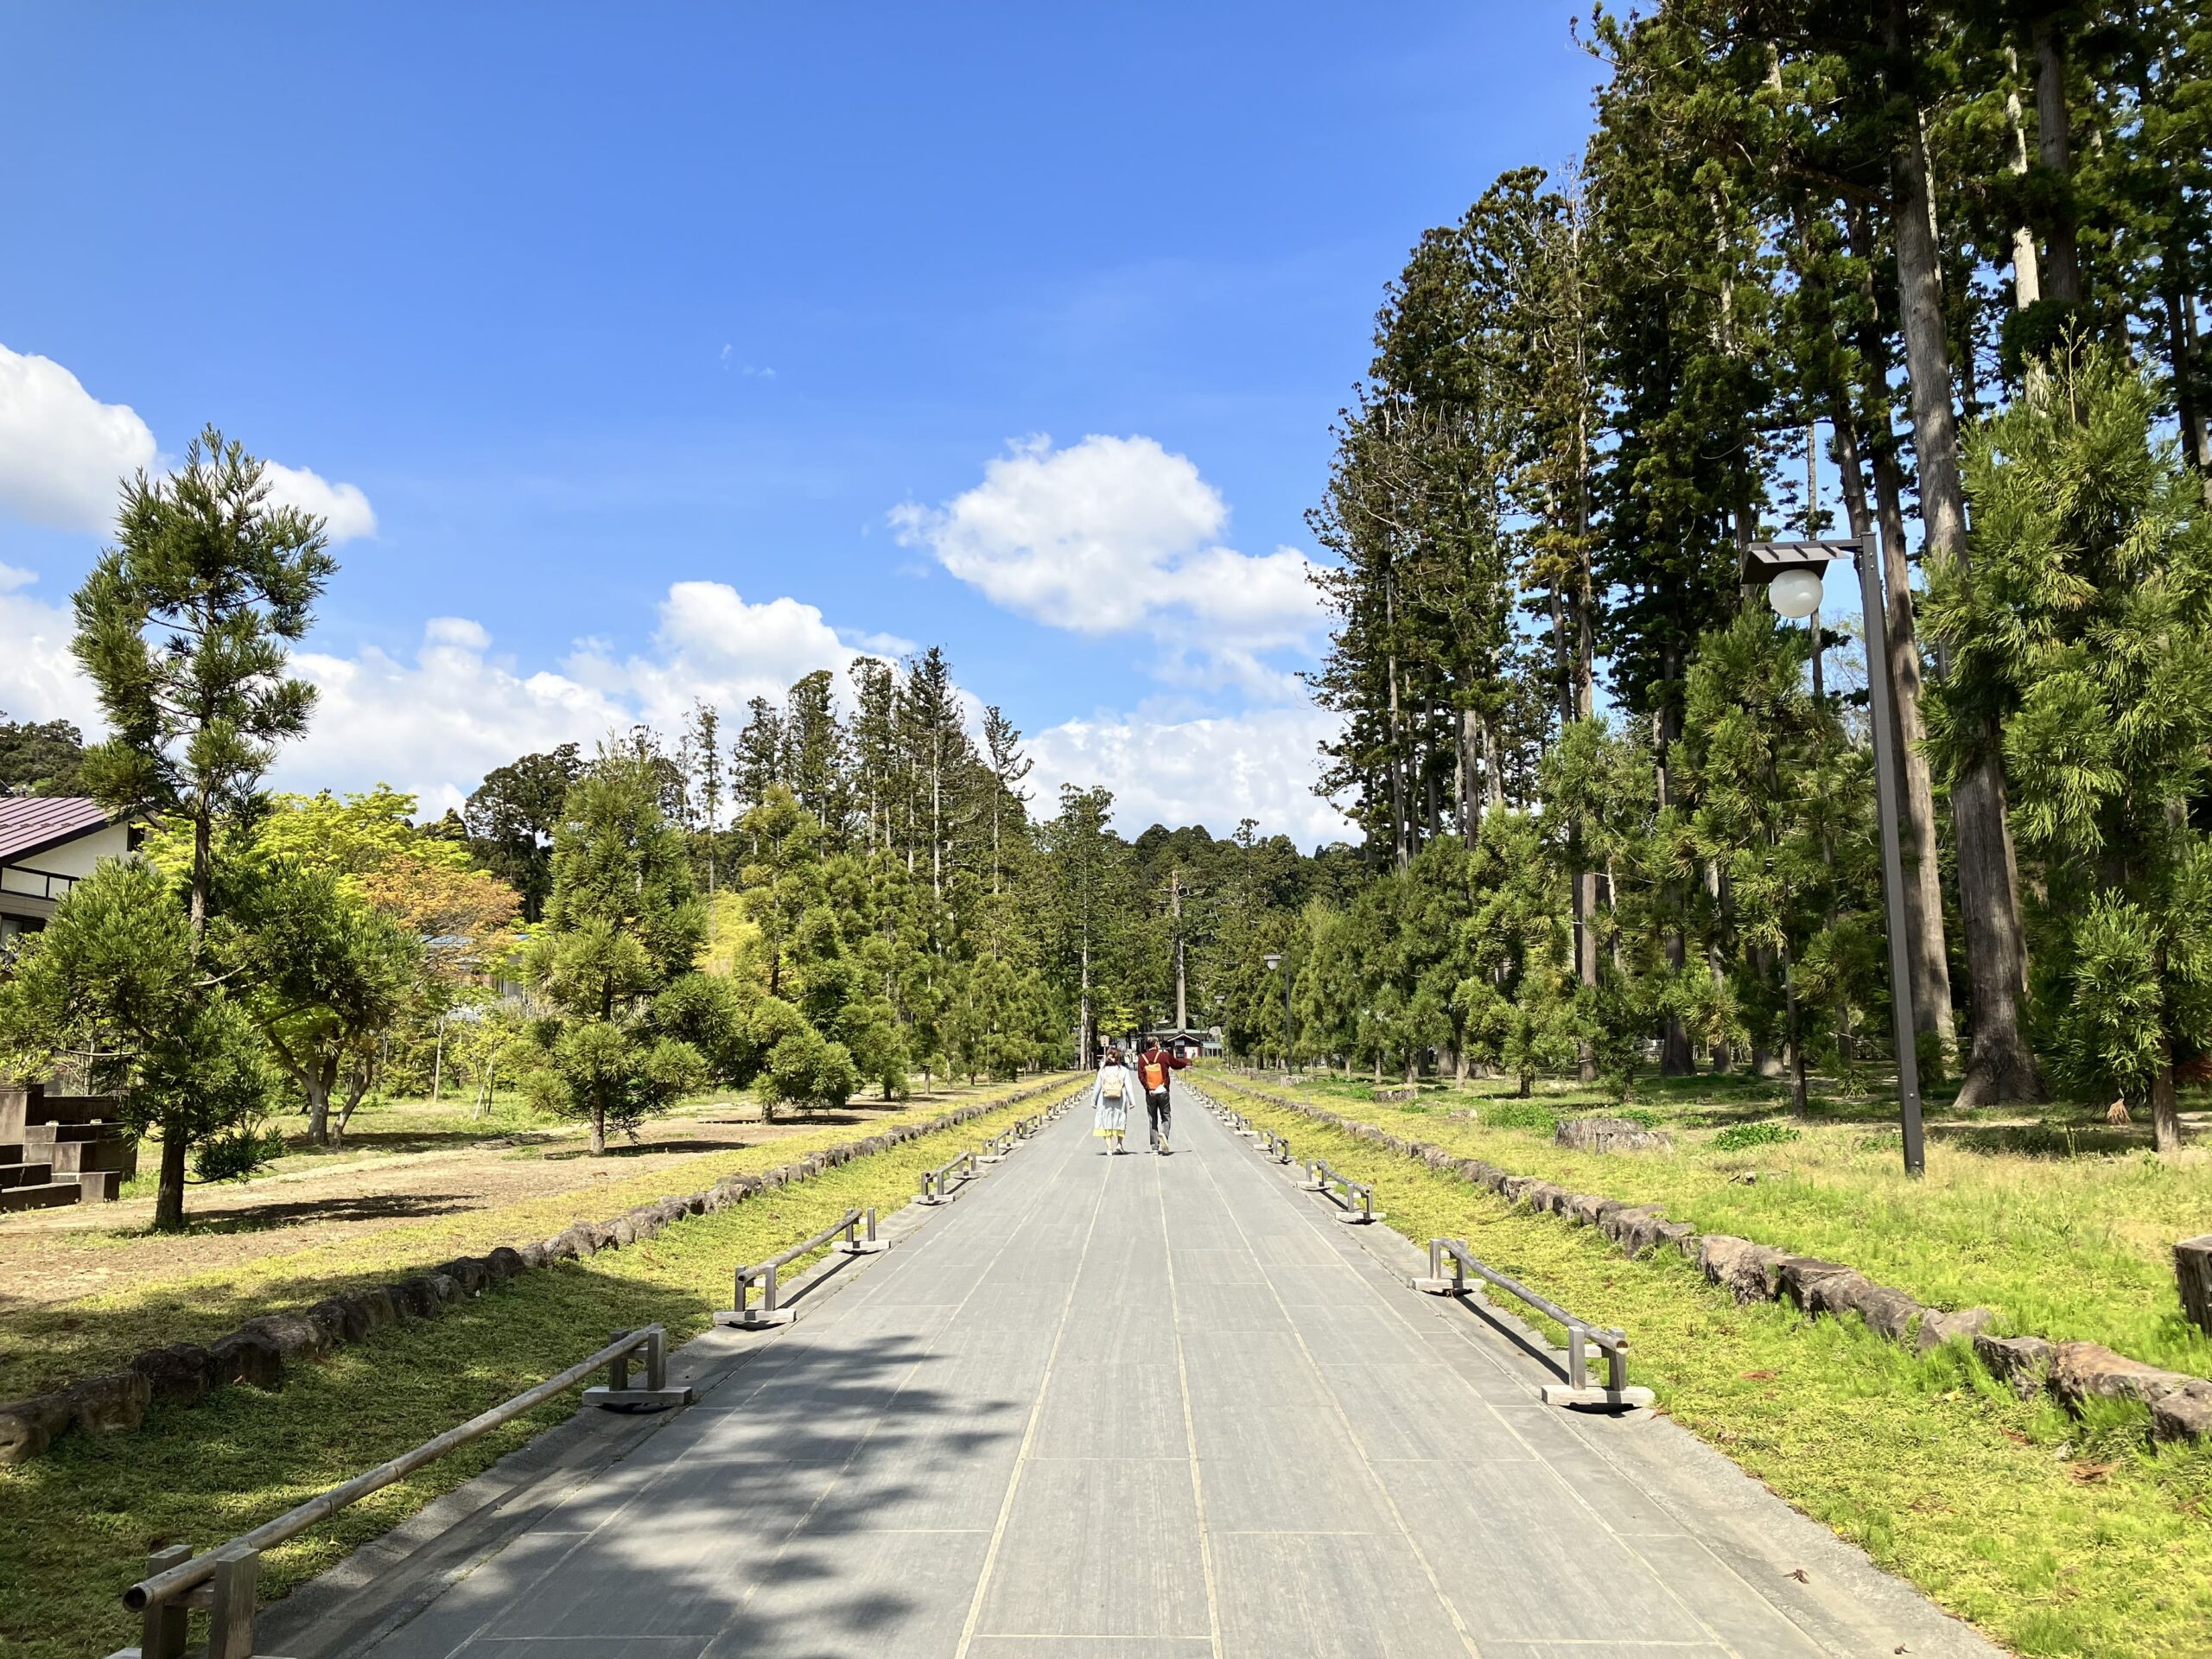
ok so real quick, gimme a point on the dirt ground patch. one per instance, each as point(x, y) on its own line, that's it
point(50, 1258)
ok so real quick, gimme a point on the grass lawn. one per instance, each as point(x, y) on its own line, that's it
point(2054, 1535)
point(80, 1521)
point(43, 1347)
point(404, 1125)
point(2062, 1226)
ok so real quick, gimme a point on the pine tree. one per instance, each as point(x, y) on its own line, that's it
point(2085, 635)
point(623, 924)
point(184, 627)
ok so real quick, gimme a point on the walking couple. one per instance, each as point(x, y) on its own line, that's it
point(1118, 1083)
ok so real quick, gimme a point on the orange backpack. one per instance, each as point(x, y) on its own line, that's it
point(1155, 1073)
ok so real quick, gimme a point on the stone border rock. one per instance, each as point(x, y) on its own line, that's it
point(2075, 1372)
point(259, 1352)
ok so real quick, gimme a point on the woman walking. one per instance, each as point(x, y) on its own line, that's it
point(1110, 1100)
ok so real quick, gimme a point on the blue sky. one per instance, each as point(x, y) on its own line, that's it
point(664, 352)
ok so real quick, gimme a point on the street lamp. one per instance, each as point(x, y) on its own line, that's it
point(1791, 573)
point(1274, 959)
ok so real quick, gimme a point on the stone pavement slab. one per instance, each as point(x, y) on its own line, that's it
point(1129, 1408)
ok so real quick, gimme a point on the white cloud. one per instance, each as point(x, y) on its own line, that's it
point(711, 642)
point(64, 455)
point(62, 451)
point(343, 510)
point(435, 726)
point(434, 723)
point(39, 677)
point(1111, 535)
point(1213, 771)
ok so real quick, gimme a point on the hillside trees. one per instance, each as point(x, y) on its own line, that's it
point(511, 818)
point(39, 757)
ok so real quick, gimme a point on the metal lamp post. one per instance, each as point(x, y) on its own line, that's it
point(1275, 960)
point(1791, 573)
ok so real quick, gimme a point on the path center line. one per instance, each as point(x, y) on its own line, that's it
point(1190, 1426)
point(1021, 1458)
point(1413, 1544)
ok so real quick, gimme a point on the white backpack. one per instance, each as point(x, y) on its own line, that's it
point(1109, 1082)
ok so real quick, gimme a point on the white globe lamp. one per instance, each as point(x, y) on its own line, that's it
point(1795, 593)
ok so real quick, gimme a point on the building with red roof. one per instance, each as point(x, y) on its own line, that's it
point(48, 844)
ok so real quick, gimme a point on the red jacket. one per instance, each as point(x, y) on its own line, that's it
point(1157, 1055)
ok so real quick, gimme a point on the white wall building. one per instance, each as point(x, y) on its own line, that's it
point(48, 844)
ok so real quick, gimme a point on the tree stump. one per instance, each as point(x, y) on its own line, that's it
point(1609, 1135)
point(2193, 1272)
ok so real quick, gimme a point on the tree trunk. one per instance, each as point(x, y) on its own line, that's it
point(599, 1127)
point(316, 1082)
point(1797, 1105)
point(203, 866)
point(2181, 352)
point(1586, 947)
point(2027, 279)
point(1401, 852)
point(1175, 897)
point(1928, 959)
point(356, 1087)
point(2000, 1067)
point(2165, 1113)
point(1675, 1059)
point(2201, 438)
point(1471, 810)
point(1493, 767)
point(1084, 1062)
point(2054, 144)
point(1764, 1065)
point(169, 1192)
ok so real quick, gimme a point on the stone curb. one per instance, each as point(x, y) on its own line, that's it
point(259, 1352)
point(2075, 1372)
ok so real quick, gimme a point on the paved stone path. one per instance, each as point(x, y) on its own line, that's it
point(1122, 1408)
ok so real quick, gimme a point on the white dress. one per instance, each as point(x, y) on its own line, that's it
point(1110, 1112)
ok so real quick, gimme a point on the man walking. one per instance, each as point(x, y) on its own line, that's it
point(1153, 1068)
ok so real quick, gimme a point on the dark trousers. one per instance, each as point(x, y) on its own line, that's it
point(1157, 1107)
